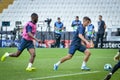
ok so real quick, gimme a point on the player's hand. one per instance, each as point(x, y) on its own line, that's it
point(87, 43)
point(39, 41)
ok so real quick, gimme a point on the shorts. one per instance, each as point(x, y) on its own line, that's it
point(25, 44)
point(73, 49)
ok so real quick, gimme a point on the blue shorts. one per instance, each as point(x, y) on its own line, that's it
point(25, 44)
point(73, 49)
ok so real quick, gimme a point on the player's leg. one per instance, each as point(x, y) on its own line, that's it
point(72, 50)
point(31, 60)
point(31, 50)
point(91, 42)
point(21, 47)
point(57, 37)
point(67, 57)
point(117, 56)
point(17, 54)
point(32, 55)
point(86, 57)
point(97, 40)
point(85, 60)
point(115, 68)
point(58, 43)
point(101, 35)
point(10, 55)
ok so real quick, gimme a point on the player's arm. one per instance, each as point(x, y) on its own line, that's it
point(105, 25)
point(55, 28)
point(93, 30)
point(31, 35)
point(29, 31)
point(62, 27)
point(72, 25)
point(83, 39)
point(80, 35)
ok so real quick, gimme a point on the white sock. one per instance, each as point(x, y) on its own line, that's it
point(58, 63)
point(83, 64)
point(29, 65)
point(7, 54)
point(110, 73)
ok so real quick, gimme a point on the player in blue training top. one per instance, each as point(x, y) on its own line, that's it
point(76, 45)
point(90, 34)
point(115, 68)
point(76, 23)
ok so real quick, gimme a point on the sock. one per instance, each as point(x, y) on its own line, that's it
point(29, 65)
point(110, 73)
point(83, 64)
point(7, 54)
point(58, 63)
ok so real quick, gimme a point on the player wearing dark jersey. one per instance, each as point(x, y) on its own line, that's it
point(76, 45)
point(115, 68)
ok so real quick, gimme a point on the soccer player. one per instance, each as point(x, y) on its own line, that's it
point(115, 68)
point(76, 23)
point(90, 33)
point(58, 26)
point(76, 45)
point(26, 42)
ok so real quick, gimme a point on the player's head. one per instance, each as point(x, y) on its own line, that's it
point(77, 18)
point(86, 21)
point(100, 17)
point(90, 21)
point(34, 17)
point(58, 19)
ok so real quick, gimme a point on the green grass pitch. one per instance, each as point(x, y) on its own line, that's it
point(14, 68)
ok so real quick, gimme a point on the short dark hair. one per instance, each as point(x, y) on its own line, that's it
point(77, 16)
point(86, 18)
point(58, 18)
point(100, 15)
point(34, 15)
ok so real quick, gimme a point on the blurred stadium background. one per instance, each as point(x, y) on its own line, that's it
point(15, 13)
point(18, 12)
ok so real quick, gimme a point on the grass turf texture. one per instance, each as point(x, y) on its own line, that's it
point(14, 68)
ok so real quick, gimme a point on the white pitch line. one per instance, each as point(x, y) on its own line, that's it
point(63, 75)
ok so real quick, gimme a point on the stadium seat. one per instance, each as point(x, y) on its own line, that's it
point(66, 9)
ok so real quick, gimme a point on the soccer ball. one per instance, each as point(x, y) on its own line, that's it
point(107, 67)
